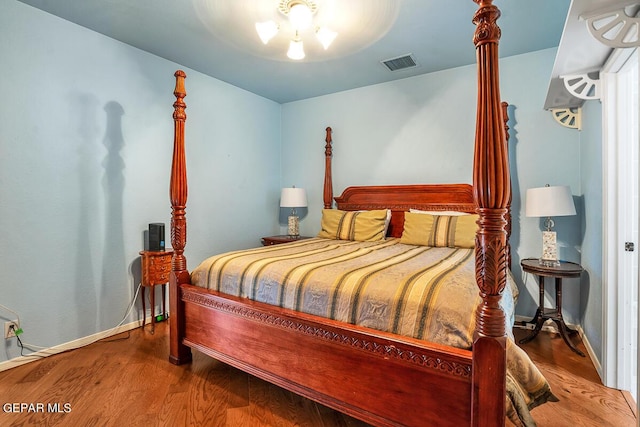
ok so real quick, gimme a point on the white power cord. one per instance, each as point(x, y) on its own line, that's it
point(98, 337)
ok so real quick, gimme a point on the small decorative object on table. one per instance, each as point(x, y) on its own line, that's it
point(547, 202)
point(558, 272)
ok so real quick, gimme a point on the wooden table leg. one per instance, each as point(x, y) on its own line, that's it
point(144, 308)
point(539, 318)
point(559, 320)
point(153, 309)
point(164, 307)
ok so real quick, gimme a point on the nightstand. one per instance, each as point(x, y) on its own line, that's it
point(156, 267)
point(565, 269)
point(276, 240)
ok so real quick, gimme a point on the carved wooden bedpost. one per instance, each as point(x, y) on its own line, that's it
point(492, 194)
point(178, 352)
point(328, 180)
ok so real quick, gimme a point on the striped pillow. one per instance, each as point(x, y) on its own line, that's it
point(439, 230)
point(353, 225)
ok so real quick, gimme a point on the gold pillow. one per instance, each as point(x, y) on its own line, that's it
point(351, 225)
point(439, 230)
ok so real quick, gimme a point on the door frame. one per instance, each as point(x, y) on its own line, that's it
point(615, 338)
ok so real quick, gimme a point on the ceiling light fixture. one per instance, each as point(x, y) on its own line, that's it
point(300, 14)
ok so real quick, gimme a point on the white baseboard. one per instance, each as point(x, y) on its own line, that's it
point(71, 345)
point(551, 327)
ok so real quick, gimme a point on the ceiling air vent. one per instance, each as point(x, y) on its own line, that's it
point(400, 62)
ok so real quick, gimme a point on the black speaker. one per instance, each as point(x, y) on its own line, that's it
point(156, 236)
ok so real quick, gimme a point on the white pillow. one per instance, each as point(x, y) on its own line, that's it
point(386, 222)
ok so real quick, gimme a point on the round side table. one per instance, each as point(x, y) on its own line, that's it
point(558, 272)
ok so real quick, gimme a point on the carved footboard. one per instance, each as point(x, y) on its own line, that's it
point(378, 377)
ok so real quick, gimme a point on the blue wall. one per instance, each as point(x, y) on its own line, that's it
point(86, 145)
point(591, 201)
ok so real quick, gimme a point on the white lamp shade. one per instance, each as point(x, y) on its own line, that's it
point(266, 30)
point(300, 16)
point(296, 50)
point(293, 198)
point(326, 36)
point(549, 201)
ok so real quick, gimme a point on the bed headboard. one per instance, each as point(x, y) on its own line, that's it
point(401, 198)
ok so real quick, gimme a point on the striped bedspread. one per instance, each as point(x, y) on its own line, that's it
point(418, 291)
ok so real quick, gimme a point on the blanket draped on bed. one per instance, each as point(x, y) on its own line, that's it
point(422, 292)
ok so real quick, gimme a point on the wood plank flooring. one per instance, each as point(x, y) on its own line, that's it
point(584, 401)
point(127, 381)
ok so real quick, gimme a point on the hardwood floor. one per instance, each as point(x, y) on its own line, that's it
point(127, 381)
point(584, 401)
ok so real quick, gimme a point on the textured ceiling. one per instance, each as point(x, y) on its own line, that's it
point(216, 37)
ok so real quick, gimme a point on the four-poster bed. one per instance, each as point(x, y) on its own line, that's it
point(380, 377)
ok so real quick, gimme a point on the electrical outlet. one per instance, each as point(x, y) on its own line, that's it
point(10, 328)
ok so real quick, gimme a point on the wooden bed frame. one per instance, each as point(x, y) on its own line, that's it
point(381, 378)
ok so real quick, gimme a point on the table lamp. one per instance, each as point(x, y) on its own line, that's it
point(293, 198)
point(547, 202)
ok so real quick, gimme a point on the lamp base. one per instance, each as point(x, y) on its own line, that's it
point(549, 256)
point(293, 226)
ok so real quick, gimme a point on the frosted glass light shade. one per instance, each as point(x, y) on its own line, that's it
point(300, 16)
point(549, 201)
point(296, 50)
point(293, 198)
point(326, 36)
point(266, 30)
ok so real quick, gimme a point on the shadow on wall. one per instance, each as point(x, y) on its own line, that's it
point(525, 299)
point(570, 231)
point(585, 278)
point(135, 270)
point(516, 200)
point(85, 110)
point(114, 265)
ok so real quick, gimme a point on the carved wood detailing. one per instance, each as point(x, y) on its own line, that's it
point(491, 183)
point(401, 198)
point(378, 346)
point(178, 184)
point(328, 180)
point(179, 353)
point(302, 356)
point(492, 259)
point(492, 193)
